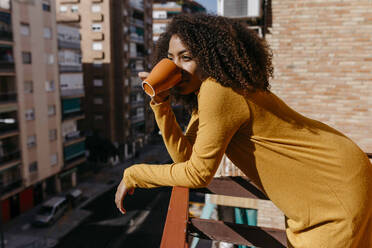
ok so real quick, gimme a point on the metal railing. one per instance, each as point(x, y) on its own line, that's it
point(178, 226)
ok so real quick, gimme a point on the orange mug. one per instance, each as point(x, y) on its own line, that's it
point(162, 77)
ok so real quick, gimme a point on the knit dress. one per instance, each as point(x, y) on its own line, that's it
point(317, 176)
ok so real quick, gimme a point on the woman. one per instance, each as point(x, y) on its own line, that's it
point(318, 177)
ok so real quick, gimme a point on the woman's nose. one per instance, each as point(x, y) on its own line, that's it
point(177, 62)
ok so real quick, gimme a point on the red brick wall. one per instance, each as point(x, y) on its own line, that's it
point(323, 62)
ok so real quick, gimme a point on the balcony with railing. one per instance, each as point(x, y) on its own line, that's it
point(71, 108)
point(8, 123)
point(6, 33)
point(74, 151)
point(6, 58)
point(73, 137)
point(8, 92)
point(9, 150)
point(10, 179)
point(137, 4)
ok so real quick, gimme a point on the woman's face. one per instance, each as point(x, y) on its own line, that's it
point(179, 54)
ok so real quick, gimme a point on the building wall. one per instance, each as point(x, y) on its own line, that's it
point(39, 71)
point(323, 64)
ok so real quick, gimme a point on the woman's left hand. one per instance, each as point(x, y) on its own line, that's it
point(121, 192)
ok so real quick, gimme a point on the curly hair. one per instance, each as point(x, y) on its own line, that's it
point(223, 48)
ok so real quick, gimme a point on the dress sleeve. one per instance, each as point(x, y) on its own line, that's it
point(179, 146)
point(221, 113)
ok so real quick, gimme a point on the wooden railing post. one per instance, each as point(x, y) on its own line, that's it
point(175, 229)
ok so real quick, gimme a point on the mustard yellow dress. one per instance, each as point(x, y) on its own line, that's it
point(317, 176)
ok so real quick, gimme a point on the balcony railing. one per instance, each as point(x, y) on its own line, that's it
point(137, 4)
point(10, 156)
point(6, 128)
point(73, 151)
point(137, 22)
point(73, 136)
point(137, 118)
point(6, 66)
point(11, 186)
point(179, 226)
point(70, 68)
point(136, 38)
point(6, 35)
point(8, 97)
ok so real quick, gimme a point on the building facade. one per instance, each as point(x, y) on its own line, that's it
point(31, 149)
point(164, 10)
point(116, 42)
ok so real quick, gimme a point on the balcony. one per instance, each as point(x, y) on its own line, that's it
point(10, 156)
point(179, 227)
point(68, 17)
point(71, 68)
point(137, 22)
point(10, 179)
point(6, 58)
point(137, 38)
point(136, 104)
point(136, 119)
point(8, 124)
point(6, 27)
point(6, 35)
point(74, 151)
point(8, 92)
point(73, 137)
point(71, 108)
point(137, 5)
point(68, 44)
point(72, 93)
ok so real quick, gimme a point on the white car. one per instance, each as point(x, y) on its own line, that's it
point(50, 211)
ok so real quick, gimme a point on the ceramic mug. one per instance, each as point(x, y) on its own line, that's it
point(164, 76)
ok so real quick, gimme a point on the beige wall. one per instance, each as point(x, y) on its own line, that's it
point(39, 72)
point(322, 56)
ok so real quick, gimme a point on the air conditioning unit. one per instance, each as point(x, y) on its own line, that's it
point(240, 8)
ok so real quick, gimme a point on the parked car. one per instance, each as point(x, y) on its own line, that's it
point(50, 211)
point(74, 197)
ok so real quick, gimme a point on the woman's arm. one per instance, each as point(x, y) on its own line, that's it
point(221, 113)
point(179, 146)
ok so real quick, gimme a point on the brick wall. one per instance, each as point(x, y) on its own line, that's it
point(323, 62)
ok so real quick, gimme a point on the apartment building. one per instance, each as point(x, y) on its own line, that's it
point(72, 95)
point(116, 43)
point(164, 10)
point(31, 154)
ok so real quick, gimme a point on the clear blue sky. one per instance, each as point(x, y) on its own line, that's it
point(210, 5)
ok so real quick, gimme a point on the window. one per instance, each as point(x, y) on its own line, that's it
point(126, 82)
point(31, 141)
point(53, 159)
point(26, 57)
point(49, 58)
point(74, 8)
point(49, 86)
point(97, 46)
point(126, 99)
point(63, 8)
point(46, 5)
point(28, 87)
point(32, 167)
point(98, 82)
point(30, 115)
point(51, 110)
point(96, 27)
point(98, 100)
point(47, 33)
point(52, 134)
point(96, 8)
point(25, 29)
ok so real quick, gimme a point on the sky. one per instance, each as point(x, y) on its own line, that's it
point(210, 5)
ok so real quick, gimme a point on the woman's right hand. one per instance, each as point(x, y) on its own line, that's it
point(158, 98)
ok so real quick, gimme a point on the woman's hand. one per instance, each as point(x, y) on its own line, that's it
point(121, 192)
point(162, 96)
